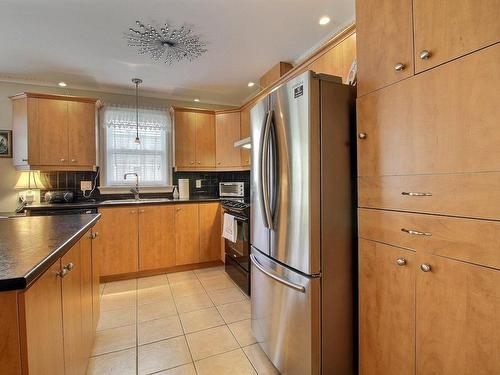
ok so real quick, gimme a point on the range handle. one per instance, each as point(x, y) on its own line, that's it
point(278, 278)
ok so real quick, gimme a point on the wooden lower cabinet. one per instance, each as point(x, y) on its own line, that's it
point(156, 237)
point(87, 291)
point(210, 231)
point(386, 309)
point(187, 234)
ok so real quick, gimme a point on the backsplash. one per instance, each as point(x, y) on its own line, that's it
point(209, 184)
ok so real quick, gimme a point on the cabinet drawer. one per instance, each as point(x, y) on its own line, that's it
point(434, 122)
point(474, 241)
point(475, 195)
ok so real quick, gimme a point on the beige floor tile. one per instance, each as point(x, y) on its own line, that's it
point(114, 339)
point(209, 272)
point(181, 370)
point(179, 277)
point(187, 288)
point(231, 363)
point(193, 302)
point(242, 330)
point(163, 355)
point(216, 282)
point(210, 342)
point(117, 301)
point(159, 329)
point(117, 318)
point(236, 311)
point(228, 295)
point(201, 319)
point(154, 294)
point(259, 360)
point(118, 363)
point(120, 286)
point(147, 282)
point(156, 310)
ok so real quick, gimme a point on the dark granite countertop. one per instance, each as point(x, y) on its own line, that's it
point(30, 245)
point(117, 202)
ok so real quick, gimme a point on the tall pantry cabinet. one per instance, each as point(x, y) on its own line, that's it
point(429, 186)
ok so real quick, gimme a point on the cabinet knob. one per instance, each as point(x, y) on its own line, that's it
point(73, 160)
point(362, 135)
point(132, 211)
point(199, 162)
point(141, 211)
point(191, 162)
point(178, 209)
point(96, 234)
point(399, 67)
point(63, 159)
point(424, 54)
point(425, 267)
point(401, 261)
point(62, 273)
point(70, 266)
point(218, 163)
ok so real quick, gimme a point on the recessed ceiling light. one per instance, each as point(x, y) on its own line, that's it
point(196, 100)
point(62, 84)
point(251, 84)
point(324, 20)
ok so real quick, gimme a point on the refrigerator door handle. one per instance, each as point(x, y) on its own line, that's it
point(264, 172)
point(274, 170)
point(279, 279)
point(260, 173)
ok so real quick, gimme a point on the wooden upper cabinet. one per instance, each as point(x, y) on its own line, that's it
point(81, 133)
point(384, 43)
point(244, 133)
point(187, 234)
point(117, 240)
point(403, 130)
point(156, 237)
point(210, 231)
point(458, 319)
point(185, 139)
point(386, 310)
point(205, 140)
point(53, 125)
point(448, 29)
point(227, 130)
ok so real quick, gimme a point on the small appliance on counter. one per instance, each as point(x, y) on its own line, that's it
point(183, 188)
point(236, 245)
point(59, 196)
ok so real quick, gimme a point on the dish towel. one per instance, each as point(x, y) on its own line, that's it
point(230, 230)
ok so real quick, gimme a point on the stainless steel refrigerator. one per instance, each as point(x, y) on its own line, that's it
point(302, 226)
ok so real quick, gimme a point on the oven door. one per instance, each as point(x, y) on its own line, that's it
point(239, 251)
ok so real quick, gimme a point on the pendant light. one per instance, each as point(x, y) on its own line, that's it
point(137, 81)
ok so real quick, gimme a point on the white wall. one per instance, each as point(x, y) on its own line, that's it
point(8, 175)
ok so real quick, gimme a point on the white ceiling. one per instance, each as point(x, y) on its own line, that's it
point(81, 42)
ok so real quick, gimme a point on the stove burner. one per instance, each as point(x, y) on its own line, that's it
point(235, 205)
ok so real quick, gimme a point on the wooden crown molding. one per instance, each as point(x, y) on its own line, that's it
point(53, 96)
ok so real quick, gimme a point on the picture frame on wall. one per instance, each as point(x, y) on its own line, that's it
point(5, 143)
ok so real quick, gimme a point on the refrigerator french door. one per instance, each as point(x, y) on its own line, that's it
point(295, 130)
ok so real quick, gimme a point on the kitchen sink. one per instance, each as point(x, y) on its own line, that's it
point(136, 201)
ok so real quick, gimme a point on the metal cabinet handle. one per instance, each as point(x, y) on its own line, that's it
point(62, 273)
point(96, 234)
point(199, 162)
point(63, 159)
point(178, 209)
point(416, 194)
point(425, 267)
point(424, 54)
point(218, 163)
point(401, 261)
point(399, 67)
point(362, 135)
point(132, 211)
point(141, 211)
point(70, 266)
point(416, 232)
point(279, 279)
point(73, 160)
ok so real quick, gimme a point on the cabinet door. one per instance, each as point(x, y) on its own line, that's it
point(185, 139)
point(448, 29)
point(42, 308)
point(187, 234)
point(378, 22)
point(245, 132)
point(86, 293)
point(205, 140)
point(96, 274)
point(458, 318)
point(156, 237)
point(75, 350)
point(386, 309)
point(81, 125)
point(434, 122)
point(117, 244)
point(210, 231)
point(53, 130)
point(227, 127)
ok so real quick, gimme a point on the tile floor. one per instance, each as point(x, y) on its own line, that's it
point(183, 323)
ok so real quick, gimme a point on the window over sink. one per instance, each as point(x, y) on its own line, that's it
point(151, 159)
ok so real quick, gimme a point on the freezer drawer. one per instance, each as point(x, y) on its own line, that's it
point(286, 316)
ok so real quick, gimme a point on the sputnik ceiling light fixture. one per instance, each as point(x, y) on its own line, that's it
point(169, 44)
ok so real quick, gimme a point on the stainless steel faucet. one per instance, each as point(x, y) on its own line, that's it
point(134, 190)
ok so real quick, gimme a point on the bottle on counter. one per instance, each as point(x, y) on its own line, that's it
point(175, 193)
